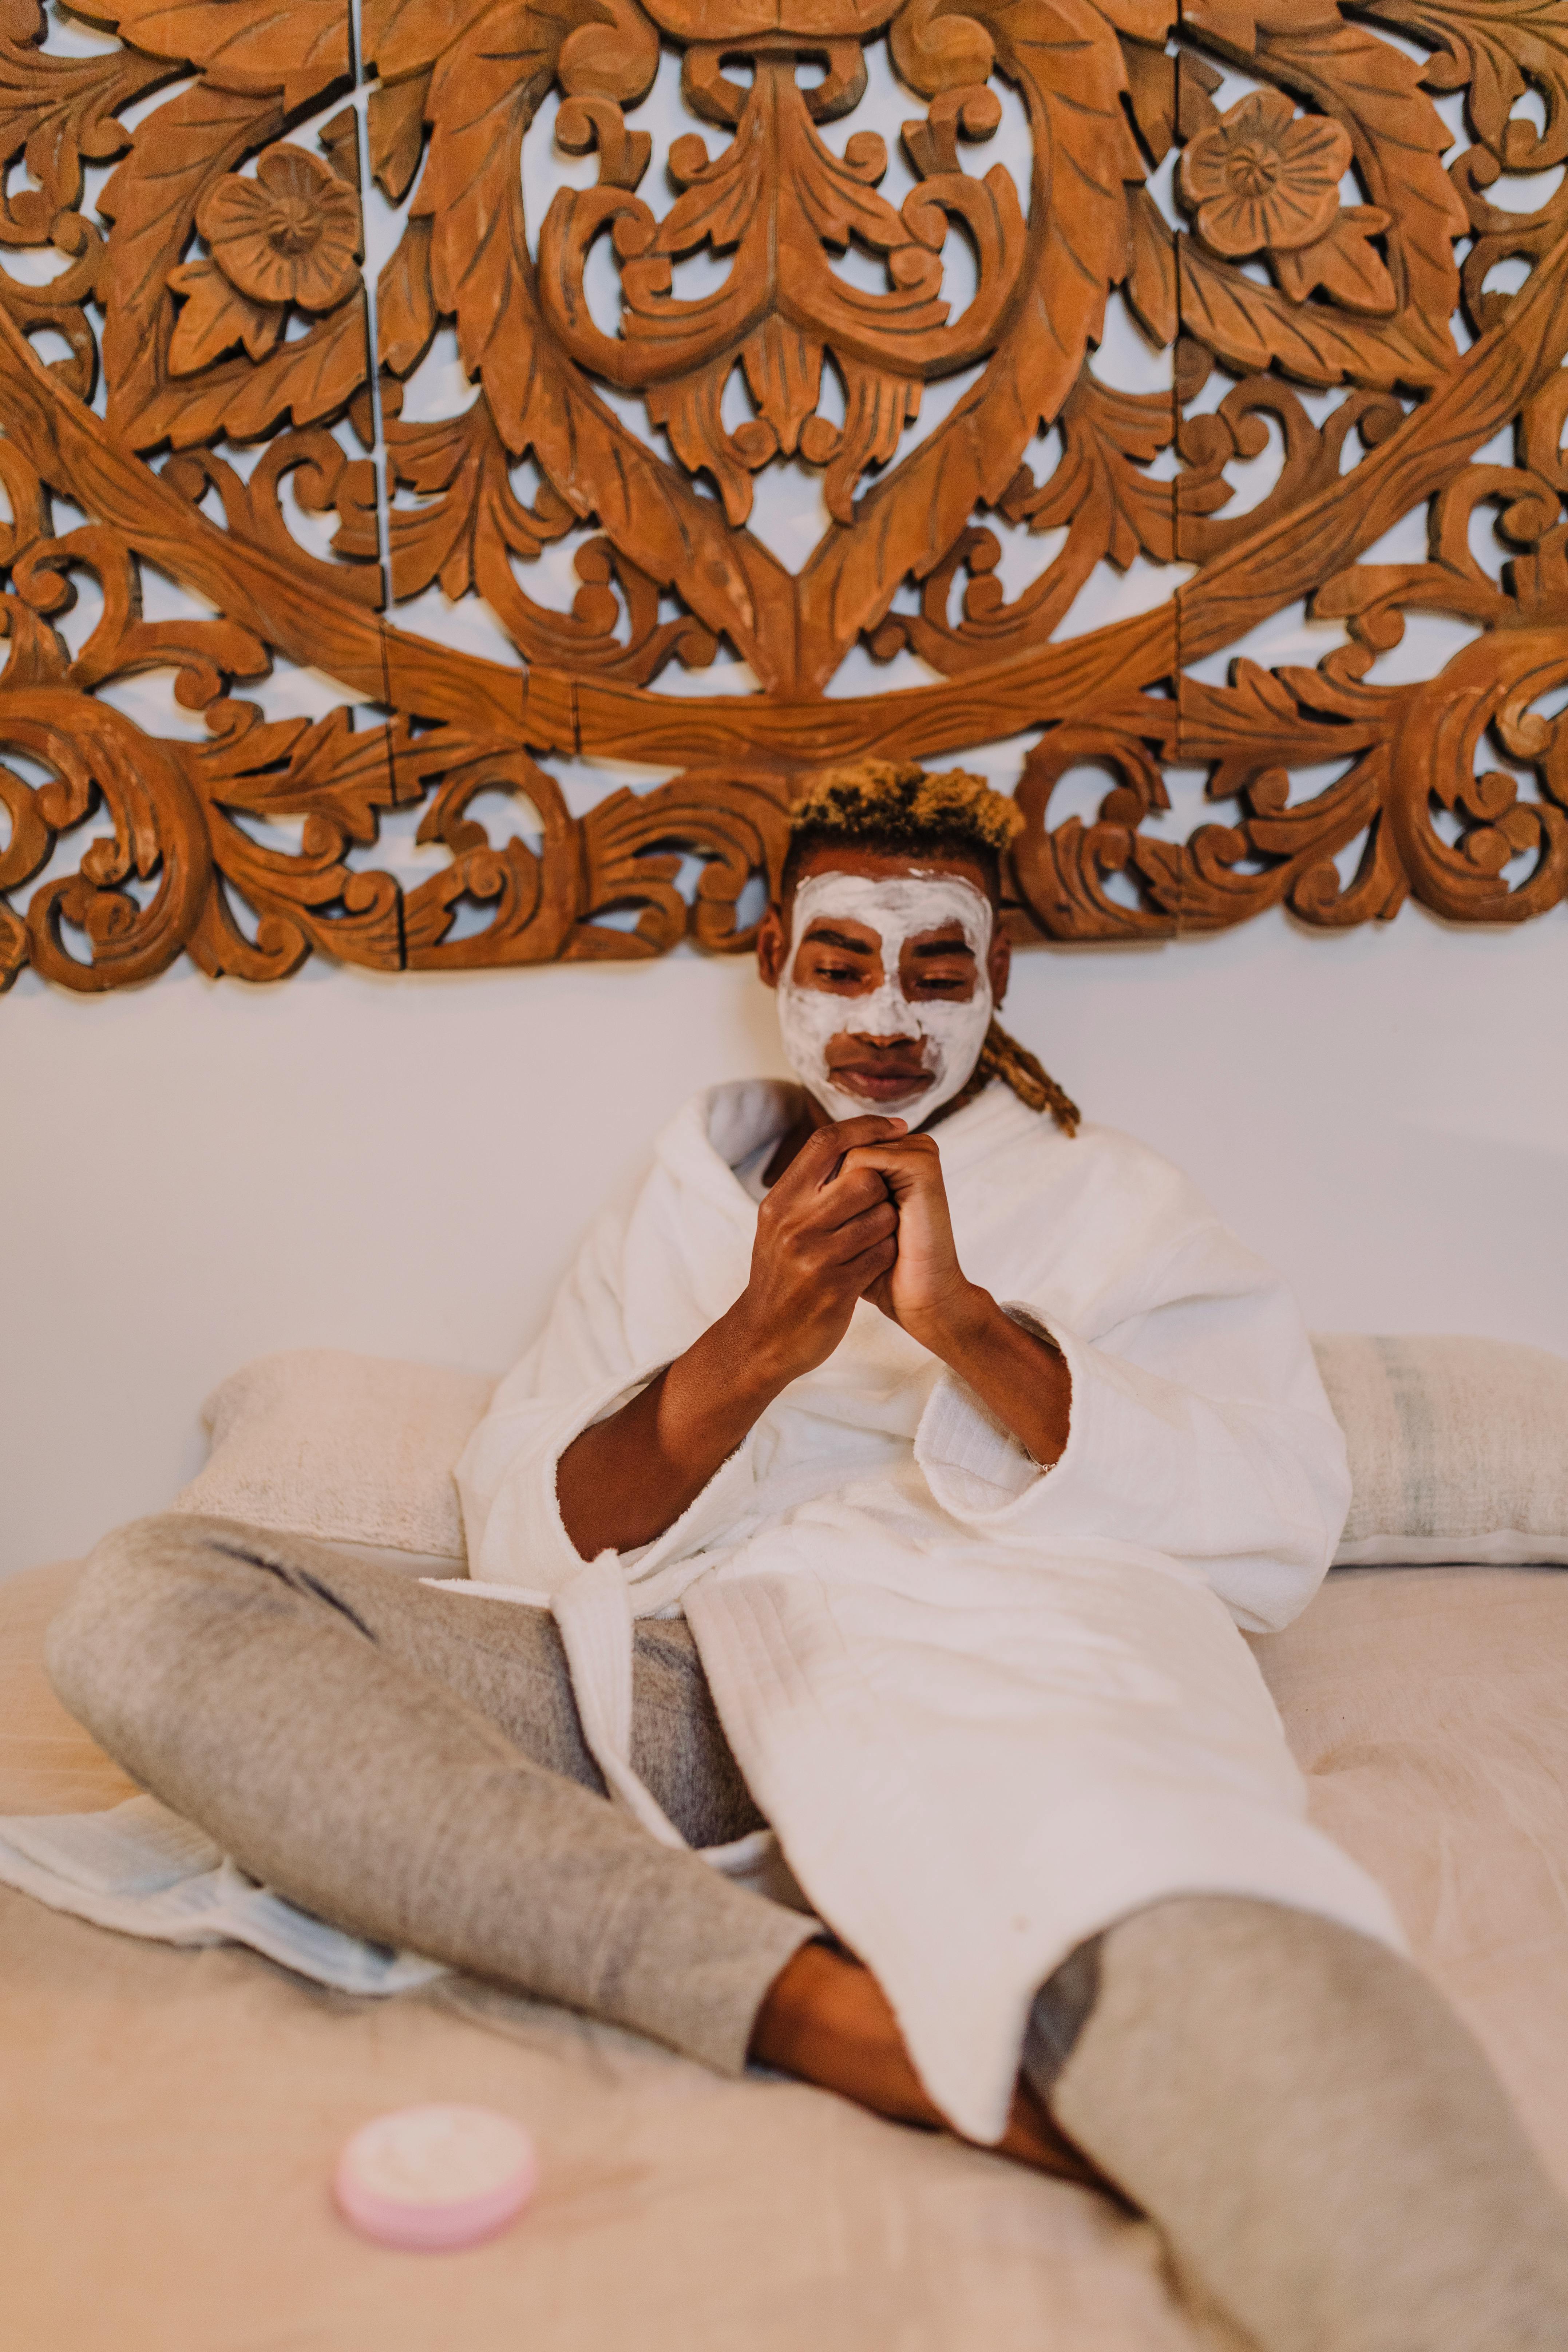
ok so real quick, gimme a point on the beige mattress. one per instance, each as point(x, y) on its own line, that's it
point(168, 2120)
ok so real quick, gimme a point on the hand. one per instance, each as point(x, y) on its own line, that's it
point(822, 1237)
point(925, 1287)
point(826, 1233)
point(1021, 1379)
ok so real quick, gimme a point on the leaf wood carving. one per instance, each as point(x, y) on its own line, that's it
point(218, 297)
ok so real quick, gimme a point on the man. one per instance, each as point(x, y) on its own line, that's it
point(966, 1443)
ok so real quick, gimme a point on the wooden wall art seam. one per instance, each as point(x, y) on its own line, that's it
point(188, 397)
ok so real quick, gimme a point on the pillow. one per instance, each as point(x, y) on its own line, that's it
point(318, 1442)
point(1458, 1449)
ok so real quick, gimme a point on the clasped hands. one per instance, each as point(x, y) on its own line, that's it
point(861, 1211)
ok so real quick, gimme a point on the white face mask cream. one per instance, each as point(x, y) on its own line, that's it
point(950, 1034)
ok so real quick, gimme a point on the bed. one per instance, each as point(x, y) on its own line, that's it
point(172, 2117)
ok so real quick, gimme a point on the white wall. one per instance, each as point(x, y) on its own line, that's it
point(194, 1173)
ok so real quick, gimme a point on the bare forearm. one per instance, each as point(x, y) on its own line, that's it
point(623, 1481)
point(1017, 1376)
point(823, 1239)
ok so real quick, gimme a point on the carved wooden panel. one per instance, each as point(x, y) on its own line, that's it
point(188, 400)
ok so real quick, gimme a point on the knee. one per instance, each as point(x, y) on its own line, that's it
point(109, 1636)
point(1277, 1989)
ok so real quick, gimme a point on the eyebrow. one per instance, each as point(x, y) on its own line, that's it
point(838, 940)
point(828, 937)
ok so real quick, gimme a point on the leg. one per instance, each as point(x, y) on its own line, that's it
point(828, 2020)
point(408, 1764)
point(1329, 2153)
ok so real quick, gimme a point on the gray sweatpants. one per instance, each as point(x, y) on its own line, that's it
point(1331, 2159)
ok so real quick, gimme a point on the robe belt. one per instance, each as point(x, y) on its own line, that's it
point(593, 1611)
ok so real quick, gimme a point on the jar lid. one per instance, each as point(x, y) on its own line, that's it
point(435, 2177)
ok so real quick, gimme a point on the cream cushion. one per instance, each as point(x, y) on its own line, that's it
point(1458, 1449)
point(350, 1448)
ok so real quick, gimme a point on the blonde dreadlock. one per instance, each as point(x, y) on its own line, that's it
point(896, 805)
point(1002, 1056)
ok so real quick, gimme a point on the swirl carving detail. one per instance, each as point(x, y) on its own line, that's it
point(236, 239)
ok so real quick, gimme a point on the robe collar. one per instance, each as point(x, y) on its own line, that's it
point(724, 1125)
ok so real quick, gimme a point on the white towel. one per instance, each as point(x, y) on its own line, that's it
point(141, 1869)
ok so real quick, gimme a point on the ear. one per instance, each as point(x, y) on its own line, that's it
point(772, 946)
point(999, 961)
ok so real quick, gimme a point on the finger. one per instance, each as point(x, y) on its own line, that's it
point(847, 1197)
point(907, 1162)
point(882, 1149)
point(878, 1223)
point(826, 1205)
point(879, 1291)
point(871, 1264)
point(819, 1157)
point(843, 1134)
point(788, 1224)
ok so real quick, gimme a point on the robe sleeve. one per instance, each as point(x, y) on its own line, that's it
point(580, 1371)
point(1199, 1429)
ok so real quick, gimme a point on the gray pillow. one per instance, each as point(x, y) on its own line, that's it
point(1458, 1449)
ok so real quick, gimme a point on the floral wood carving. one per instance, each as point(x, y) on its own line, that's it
point(188, 395)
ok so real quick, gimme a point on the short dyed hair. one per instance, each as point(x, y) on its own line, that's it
point(896, 809)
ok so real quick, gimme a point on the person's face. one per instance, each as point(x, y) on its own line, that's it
point(842, 954)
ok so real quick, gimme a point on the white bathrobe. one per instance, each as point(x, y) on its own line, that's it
point(988, 1709)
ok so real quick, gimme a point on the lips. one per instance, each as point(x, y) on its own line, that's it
point(877, 1083)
